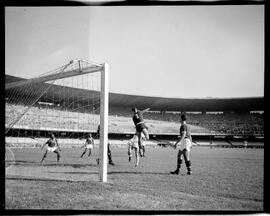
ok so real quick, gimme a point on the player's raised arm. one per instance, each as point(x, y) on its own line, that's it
point(190, 137)
point(145, 110)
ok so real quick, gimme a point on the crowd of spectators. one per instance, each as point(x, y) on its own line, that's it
point(229, 123)
point(38, 117)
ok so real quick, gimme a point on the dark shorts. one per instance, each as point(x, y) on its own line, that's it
point(140, 127)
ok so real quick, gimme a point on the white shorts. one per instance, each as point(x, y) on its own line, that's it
point(185, 144)
point(52, 149)
point(135, 140)
point(143, 141)
point(133, 144)
point(89, 146)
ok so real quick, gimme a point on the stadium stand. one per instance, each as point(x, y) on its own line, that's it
point(227, 123)
point(120, 121)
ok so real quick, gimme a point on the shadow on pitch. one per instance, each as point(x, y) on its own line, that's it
point(112, 173)
point(49, 164)
point(76, 173)
point(68, 165)
point(134, 173)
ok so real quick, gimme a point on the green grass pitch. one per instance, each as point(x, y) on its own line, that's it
point(223, 179)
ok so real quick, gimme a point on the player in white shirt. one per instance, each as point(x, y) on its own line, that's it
point(133, 144)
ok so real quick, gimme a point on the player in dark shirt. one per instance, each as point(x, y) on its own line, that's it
point(89, 145)
point(140, 125)
point(52, 147)
point(109, 153)
point(185, 144)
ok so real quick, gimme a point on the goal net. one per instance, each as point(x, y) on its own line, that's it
point(67, 101)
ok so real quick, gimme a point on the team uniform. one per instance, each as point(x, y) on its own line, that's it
point(133, 142)
point(133, 145)
point(89, 145)
point(52, 146)
point(183, 147)
point(141, 128)
point(186, 143)
point(143, 138)
point(138, 121)
point(109, 153)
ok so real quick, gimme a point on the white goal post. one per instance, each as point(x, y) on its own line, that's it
point(104, 110)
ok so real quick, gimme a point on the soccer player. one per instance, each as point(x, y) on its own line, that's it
point(185, 144)
point(142, 150)
point(52, 147)
point(140, 125)
point(89, 144)
point(109, 153)
point(133, 144)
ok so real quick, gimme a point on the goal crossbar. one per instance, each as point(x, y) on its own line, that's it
point(65, 74)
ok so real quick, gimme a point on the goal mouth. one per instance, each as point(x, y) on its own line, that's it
point(70, 101)
point(65, 99)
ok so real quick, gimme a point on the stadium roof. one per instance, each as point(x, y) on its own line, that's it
point(183, 104)
point(171, 104)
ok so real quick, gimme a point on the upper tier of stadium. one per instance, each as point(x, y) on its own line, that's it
point(172, 104)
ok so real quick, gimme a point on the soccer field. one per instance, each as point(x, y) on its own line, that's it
point(223, 179)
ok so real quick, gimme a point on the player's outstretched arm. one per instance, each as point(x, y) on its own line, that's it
point(193, 144)
point(145, 110)
point(190, 137)
point(85, 144)
point(42, 146)
point(175, 144)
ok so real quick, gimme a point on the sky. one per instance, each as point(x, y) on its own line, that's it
point(163, 51)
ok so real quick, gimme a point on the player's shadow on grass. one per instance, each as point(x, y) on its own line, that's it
point(44, 164)
point(134, 172)
point(76, 173)
point(112, 173)
point(25, 162)
point(70, 165)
